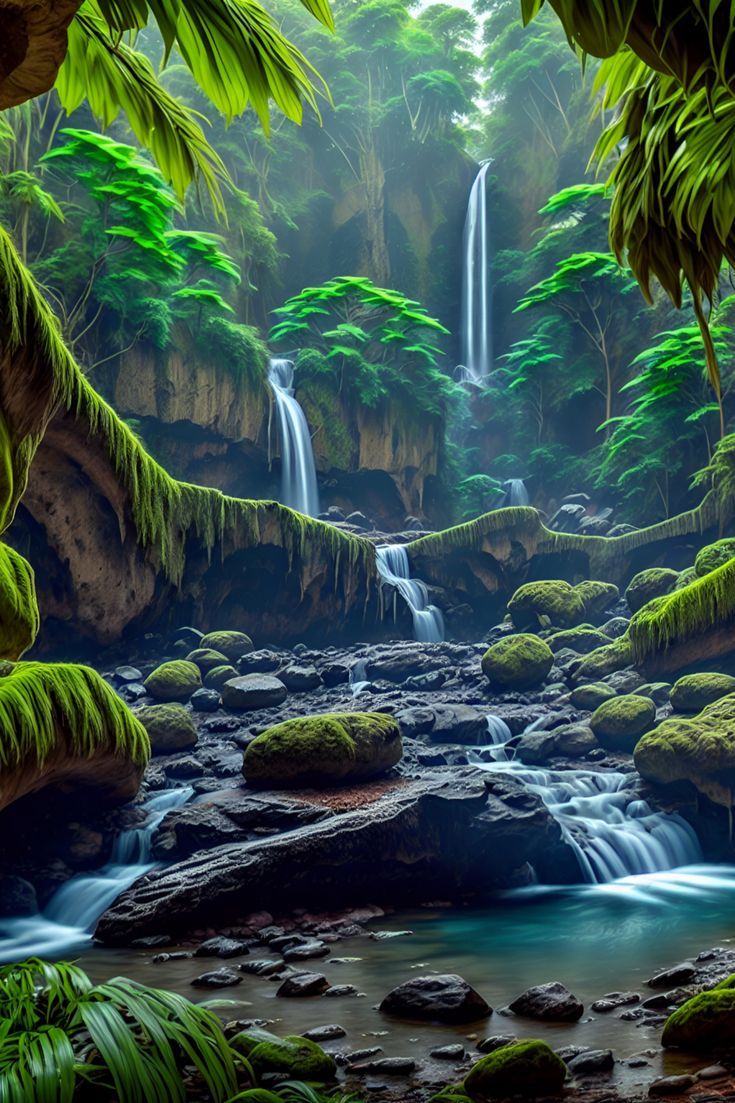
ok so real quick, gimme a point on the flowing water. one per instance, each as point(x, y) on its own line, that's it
point(477, 345)
point(515, 493)
point(394, 570)
point(298, 471)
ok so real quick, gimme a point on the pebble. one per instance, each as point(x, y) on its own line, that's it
point(325, 1033)
point(448, 1053)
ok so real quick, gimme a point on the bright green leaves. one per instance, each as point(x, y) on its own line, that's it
point(573, 275)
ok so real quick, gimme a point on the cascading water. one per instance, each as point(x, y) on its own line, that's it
point(515, 493)
point(358, 677)
point(477, 347)
point(394, 570)
point(69, 919)
point(298, 471)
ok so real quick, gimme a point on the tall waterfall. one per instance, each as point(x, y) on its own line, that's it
point(477, 345)
point(298, 471)
point(394, 570)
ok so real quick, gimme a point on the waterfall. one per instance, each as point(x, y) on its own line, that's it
point(477, 348)
point(69, 919)
point(499, 733)
point(298, 471)
point(359, 680)
point(515, 493)
point(394, 570)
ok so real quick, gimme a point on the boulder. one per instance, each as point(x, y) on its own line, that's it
point(443, 999)
point(550, 1002)
point(253, 691)
point(555, 599)
point(649, 584)
point(205, 700)
point(299, 678)
point(582, 639)
point(529, 1069)
point(206, 659)
point(592, 695)
point(170, 727)
point(597, 596)
point(517, 662)
point(230, 644)
point(694, 691)
point(333, 748)
point(295, 1057)
point(218, 675)
point(714, 556)
point(574, 740)
point(604, 661)
point(174, 681)
point(706, 1022)
point(620, 722)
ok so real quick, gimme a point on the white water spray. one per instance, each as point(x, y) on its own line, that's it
point(298, 479)
point(394, 570)
point(477, 347)
point(515, 493)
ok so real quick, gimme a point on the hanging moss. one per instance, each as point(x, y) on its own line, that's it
point(43, 702)
point(19, 619)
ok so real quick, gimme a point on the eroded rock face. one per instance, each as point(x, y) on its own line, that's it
point(448, 834)
point(34, 43)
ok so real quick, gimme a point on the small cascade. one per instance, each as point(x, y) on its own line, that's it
point(69, 919)
point(499, 733)
point(477, 346)
point(359, 680)
point(298, 479)
point(515, 493)
point(394, 570)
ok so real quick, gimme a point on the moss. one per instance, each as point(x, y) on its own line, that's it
point(704, 1023)
point(41, 703)
point(590, 696)
point(620, 722)
point(685, 577)
point(692, 692)
point(529, 1068)
point(454, 1093)
point(582, 639)
point(714, 556)
point(605, 660)
point(293, 1056)
point(206, 658)
point(517, 662)
point(649, 584)
point(552, 598)
point(218, 675)
point(597, 596)
point(326, 749)
point(19, 619)
point(231, 644)
point(170, 727)
point(174, 681)
point(332, 437)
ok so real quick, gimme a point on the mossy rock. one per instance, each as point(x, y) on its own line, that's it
point(454, 1093)
point(529, 1068)
point(686, 577)
point(597, 596)
point(19, 617)
point(170, 727)
point(648, 584)
point(517, 662)
point(659, 692)
point(604, 661)
point(592, 695)
point(230, 644)
point(699, 749)
point(218, 675)
point(295, 1057)
point(331, 749)
point(174, 681)
point(619, 723)
point(582, 639)
point(714, 556)
point(704, 1023)
point(553, 598)
point(694, 692)
point(206, 659)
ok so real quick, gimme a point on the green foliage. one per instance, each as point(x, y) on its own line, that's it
point(19, 617)
point(478, 494)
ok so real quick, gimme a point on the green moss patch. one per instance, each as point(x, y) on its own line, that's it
point(694, 692)
point(218, 675)
point(592, 695)
point(704, 1023)
point(597, 596)
point(517, 662)
point(714, 556)
point(700, 749)
point(206, 658)
point(553, 598)
point(19, 618)
point(174, 681)
point(229, 643)
point(604, 661)
point(582, 639)
point(170, 727)
point(525, 1068)
point(649, 584)
point(619, 723)
point(295, 1057)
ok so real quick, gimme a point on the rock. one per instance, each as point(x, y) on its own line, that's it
point(604, 661)
point(17, 897)
point(678, 974)
point(714, 556)
point(262, 968)
point(359, 520)
point(619, 723)
point(574, 740)
point(497, 1041)
point(671, 1085)
point(591, 695)
point(218, 978)
point(444, 999)
point(694, 691)
point(233, 645)
point(517, 662)
point(300, 679)
point(295, 1057)
point(335, 674)
point(592, 1062)
point(338, 990)
point(127, 674)
point(527, 1068)
point(389, 1066)
point(205, 700)
point(324, 750)
point(581, 640)
point(597, 597)
point(536, 748)
point(649, 584)
point(192, 637)
point(132, 692)
point(218, 675)
point(306, 950)
point(456, 724)
point(260, 662)
point(325, 1033)
point(253, 691)
point(305, 984)
point(206, 659)
point(550, 1002)
point(613, 1000)
point(554, 599)
point(219, 946)
point(615, 627)
point(402, 662)
point(174, 681)
point(448, 1053)
point(659, 692)
point(704, 1023)
point(170, 727)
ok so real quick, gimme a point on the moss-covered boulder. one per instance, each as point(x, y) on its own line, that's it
point(704, 1023)
point(699, 749)
point(206, 658)
point(648, 584)
point(554, 599)
point(686, 577)
point(230, 644)
point(218, 675)
point(294, 1057)
point(453, 1093)
point(694, 692)
point(330, 749)
point(597, 596)
point(619, 723)
point(604, 661)
point(529, 1068)
point(174, 681)
point(19, 619)
point(582, 639)
point(170, 727)
point(517, 662)
point(592, 695)
point(714, 556)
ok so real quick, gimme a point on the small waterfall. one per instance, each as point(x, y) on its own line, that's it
point(477, 347)
point(358, 677)
point(394, 570)
point(499, 733)
point(72, 913)
point(515, 493)
point(298, 471)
